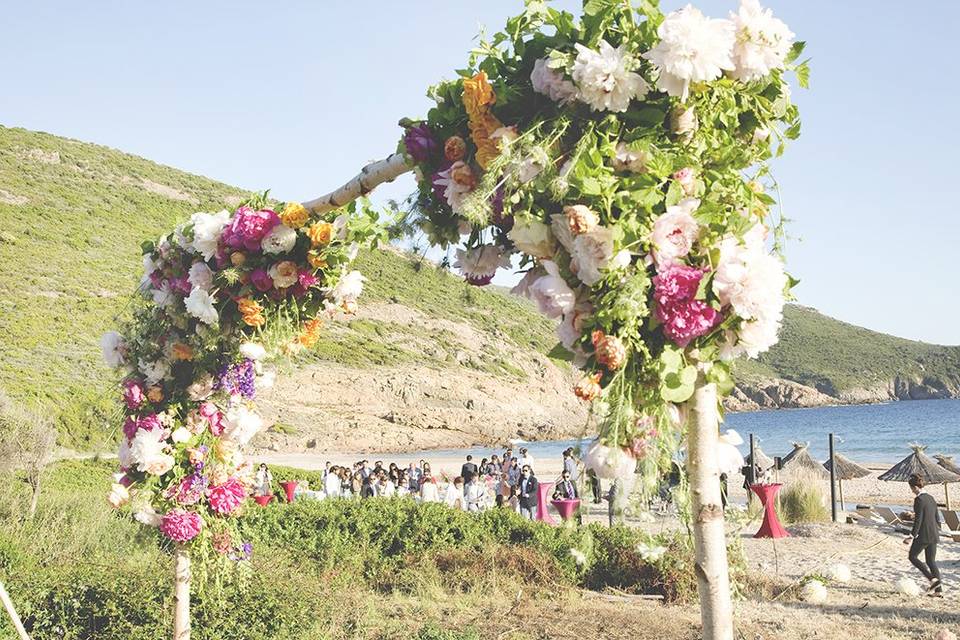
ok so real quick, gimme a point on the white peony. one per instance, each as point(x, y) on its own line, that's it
point(113, 348)
point(149, 266)
point(241, 424)
point(118, 496)
point(609, 462)
point(604, 78)
point(626, 159)
point(200, 305)
point(814, 592)
point(551, 83)
point(181, 435)
point(840, 573)
point(200, 276)
point(692, 48)
point(348, 288)
point(155, 371)
point(553, 295)
point(148, 451)
point(532, 237)
point(207, 228)
point(479, 264)
point(253, 351)
point(592, 252)
point(674, 232)
point(522, 288)
point(148, 515)
point(280, 239)
point(762, 41)
point(163, 297)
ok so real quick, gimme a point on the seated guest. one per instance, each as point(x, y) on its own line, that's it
point(565, 489)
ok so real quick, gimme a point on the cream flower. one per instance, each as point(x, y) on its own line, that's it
point(149, 266)
point(592, 251)
point(532, 237)
point(241, 424)
point(199, 304)
point(571, 327)
point(762, 41)
point(118, 496)
point(163, 297)
point(551, 83)
point(200, 276)
point(522, 288)
point(626, 159)
point(253, 351)
point(454, 192)
point(692, 48)
point(201, 388)
point(181, 435)
point(148, 451)
point(348, 288)
point(113, 348)
point(561, 231)
point(478, 265)
point(207, 228)
point(284, 274)
point(609, 462)
point(280, 239)
point(155, 371)
point(674, 232)
point(604, 78)
point(553, 295)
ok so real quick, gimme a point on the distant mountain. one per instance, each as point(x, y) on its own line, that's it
point(429, 361)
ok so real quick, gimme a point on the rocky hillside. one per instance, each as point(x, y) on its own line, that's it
point(428, 362)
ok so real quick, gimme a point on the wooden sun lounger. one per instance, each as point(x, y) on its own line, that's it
point(950, 526)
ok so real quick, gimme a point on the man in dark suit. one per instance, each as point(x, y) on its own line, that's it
point(925, 535)
point(565, 489)
point(528, 490)
point(469, 470)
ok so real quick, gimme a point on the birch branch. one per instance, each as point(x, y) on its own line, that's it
point(370, 176)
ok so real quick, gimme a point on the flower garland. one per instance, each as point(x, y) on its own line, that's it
point(221, 294)
point(621, 159)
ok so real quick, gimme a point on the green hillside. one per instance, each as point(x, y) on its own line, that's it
point(73, 214)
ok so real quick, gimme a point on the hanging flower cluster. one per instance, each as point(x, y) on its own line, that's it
point(620, 160)
point(220, 294)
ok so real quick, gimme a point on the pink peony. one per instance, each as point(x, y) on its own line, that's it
point(674, 232)
point(130, 427)
point(248, 228)
point(226, 497)
point(261, 280)
point(683, 316)
point(180, 526)
point(133, 394)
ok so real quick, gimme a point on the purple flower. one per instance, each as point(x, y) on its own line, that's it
point(248, 228)
point(420, 143)
point(261, 280)
point(181, 284)
point(238, 379)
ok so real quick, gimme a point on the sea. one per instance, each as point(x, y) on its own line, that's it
point(874, 433)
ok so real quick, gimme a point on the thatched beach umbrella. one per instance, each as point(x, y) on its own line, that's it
point(763, 460)
point(847, 469)
point(800, 461)
point(947, 463)
point(924, 466)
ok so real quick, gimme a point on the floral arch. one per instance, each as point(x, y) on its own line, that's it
point(623, 158)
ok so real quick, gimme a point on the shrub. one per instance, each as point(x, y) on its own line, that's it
point(802, 500)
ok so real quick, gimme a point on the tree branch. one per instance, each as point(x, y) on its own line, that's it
point(370, 176)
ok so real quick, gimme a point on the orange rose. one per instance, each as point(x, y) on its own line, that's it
point(294, 215)
point(316, 259)
point(478, 95)
point(311, 333)
point(454, 148)
point(588, 388)
point(320, 233)
point(155, 394)
point(182, 351)
point(251, 311)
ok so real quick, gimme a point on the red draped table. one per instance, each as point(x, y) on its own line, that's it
point(566, 508)
point(289, 487)
point(543, 490)
point(771, 527)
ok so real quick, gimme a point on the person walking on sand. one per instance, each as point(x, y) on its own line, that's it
point(924, 536)
point(528, 490)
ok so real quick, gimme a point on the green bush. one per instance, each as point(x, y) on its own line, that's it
point(802, 500)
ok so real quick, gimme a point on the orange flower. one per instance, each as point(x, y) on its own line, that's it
point(294, 215)
point(237, 258)
point(462, 174)
point(478, 96)
point(320, 233)
point(316, 259)
point(454, 148)
point(182, 351)
point(251, 311)
point(589, 387)
point(611, 352)
point(155, 394)
point(311, 333)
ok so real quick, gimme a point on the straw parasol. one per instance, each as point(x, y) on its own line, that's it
point(763, 460)
point(800, 460)
point(922, 465)
point(847, 469)
point(947, 463)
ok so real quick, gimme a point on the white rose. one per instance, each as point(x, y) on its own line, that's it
point(532, 237)
point(280, 239)
point(207, 228)
point(181, 435)
point(199, 304)
point(592, 251)
point(113, 349)
point(553, 295)
point(201, 276)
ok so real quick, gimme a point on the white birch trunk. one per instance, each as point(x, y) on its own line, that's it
point(713, 580)
point(370, 176)
point(12, 612)
point(181, 594)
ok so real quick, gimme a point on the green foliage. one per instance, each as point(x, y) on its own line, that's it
point(802, 500)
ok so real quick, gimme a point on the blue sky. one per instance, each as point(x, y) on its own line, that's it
point(296, 96)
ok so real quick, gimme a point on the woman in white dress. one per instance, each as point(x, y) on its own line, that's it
point(454, 496)
point(331, 483)
point(429, 491)
point(263, 481)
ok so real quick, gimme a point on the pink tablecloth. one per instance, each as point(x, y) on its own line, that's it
point(289, 487)
point(771, 527)
point(566, 508)
point(542, 514)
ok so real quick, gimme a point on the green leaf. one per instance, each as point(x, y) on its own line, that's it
point(671, 359)
point(146, 247)
point(795, 51)
point(803, 74)
point(719, 374)
point(678, 387)
point(561, 353)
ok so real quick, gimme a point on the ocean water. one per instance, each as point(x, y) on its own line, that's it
point(864, 433)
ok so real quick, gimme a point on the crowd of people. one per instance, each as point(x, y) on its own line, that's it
point(507, 481)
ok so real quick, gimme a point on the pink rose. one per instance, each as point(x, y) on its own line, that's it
point(248, 227)
point(210, 411)
point(683, 316)
point(133, 394)
point(180, 526)
point(674, 232)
